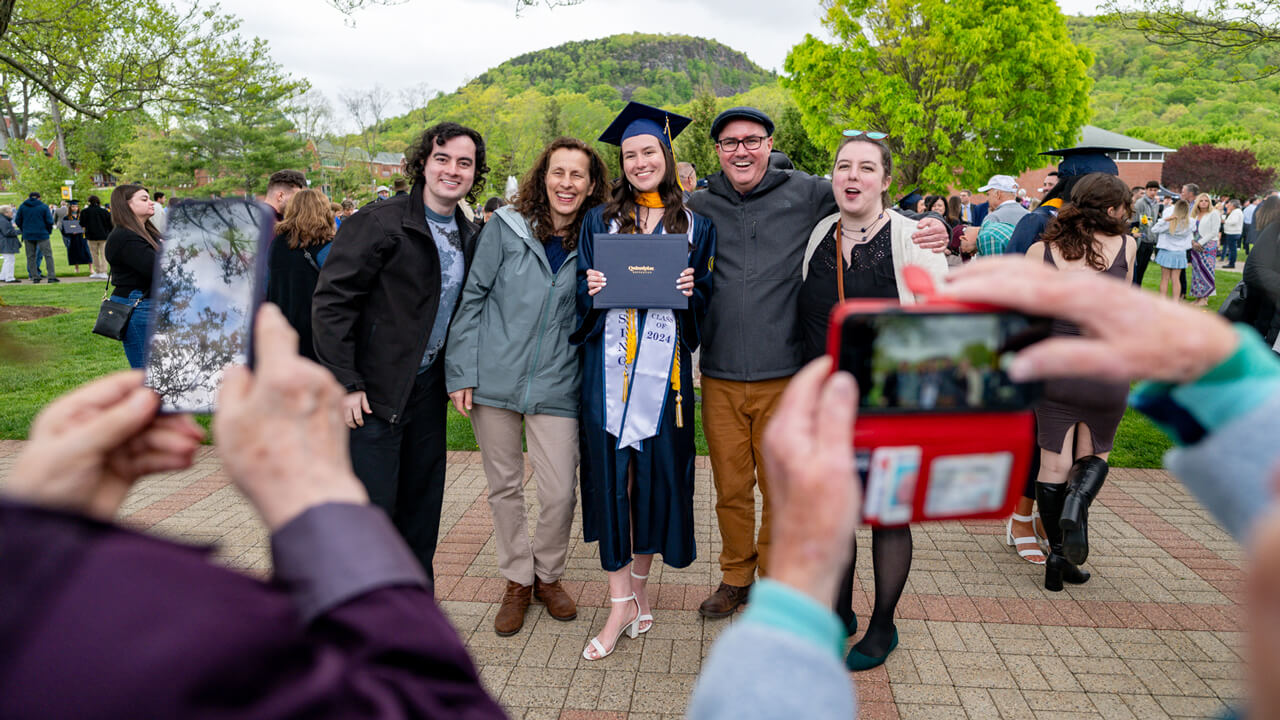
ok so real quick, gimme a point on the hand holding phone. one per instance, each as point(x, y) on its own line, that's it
point(942, 429)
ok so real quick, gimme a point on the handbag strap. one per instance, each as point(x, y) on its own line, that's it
point(106, 292)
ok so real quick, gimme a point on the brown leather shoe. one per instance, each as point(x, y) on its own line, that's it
point(724, 601)
point(515, 601)
point(559, 605)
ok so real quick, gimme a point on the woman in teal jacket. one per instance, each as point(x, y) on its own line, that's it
point(509, 367)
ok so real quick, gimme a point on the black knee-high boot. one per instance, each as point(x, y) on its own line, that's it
point(1083, 483)
point(1056, 567)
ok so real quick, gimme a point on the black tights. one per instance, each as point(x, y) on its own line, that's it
point(891, 563)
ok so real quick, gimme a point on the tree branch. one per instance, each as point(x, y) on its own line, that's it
point(55, 92)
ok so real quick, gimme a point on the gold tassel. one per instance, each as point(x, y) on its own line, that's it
point(632, 349)
point(675, 379)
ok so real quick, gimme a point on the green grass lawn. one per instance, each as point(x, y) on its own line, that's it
point(58, 353)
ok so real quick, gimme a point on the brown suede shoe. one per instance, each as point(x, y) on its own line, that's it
point(724, 601)
point(559, 605)
point(515, 601)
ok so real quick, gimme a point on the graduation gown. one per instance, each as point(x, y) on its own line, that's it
point(658, 515)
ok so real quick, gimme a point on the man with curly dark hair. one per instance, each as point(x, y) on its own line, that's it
point(380, 317)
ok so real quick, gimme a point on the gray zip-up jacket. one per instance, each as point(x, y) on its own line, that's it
point(752, 329)
point(510, 335)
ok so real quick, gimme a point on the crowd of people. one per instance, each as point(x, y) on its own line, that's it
point(408, 306)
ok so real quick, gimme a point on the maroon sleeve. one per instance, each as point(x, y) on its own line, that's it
point(101, 622)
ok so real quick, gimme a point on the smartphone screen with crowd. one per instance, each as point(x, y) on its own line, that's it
point(942, 432)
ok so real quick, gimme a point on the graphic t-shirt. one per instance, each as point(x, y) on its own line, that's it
point(444, 230)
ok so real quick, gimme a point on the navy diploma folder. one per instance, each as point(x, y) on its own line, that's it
point(640, 271)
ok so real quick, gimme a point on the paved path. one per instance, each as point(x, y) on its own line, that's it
point(1155, 634)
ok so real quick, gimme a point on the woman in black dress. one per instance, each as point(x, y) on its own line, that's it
point(870, 243)
point(293, 267)
point(73, 238)
point(1076, 419)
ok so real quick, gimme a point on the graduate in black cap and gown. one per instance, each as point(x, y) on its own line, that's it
point(1076, 163)
point(637, 421)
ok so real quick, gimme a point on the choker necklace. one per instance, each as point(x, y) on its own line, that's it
point(862, 230)
point(840, 251)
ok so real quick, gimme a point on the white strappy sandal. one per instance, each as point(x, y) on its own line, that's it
point(629, 629)
point(646, 617)
point(1026, 553)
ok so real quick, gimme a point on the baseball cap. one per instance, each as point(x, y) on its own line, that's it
point(1000, 182)
point(740, 113)
point(382, 188)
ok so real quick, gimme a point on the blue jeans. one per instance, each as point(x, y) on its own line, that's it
point(137, 331)
point(1229, 244)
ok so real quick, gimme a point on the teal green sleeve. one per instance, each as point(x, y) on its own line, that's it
point(1236, 387)
point(784, 608)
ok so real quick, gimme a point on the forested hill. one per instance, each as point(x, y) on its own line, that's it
point(577, 88)
point(657, 69)
point(1169, 95)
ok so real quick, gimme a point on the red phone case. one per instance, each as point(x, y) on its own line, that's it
point(941, 435)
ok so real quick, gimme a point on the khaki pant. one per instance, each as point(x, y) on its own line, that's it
point(99, 264)
point(734, 415)
point(553, 453)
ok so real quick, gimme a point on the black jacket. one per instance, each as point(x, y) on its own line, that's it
point(377, 297)
point(291, 284)
point(132, 260)
point(1262, 280)
point(752, 328)
point(96, 221)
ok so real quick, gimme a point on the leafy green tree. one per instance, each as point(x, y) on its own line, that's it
point(965, 88)
point(1240, 32)
point(694, 144)
point(238, 132)
point(1167, 95)
point(790, 137)
point(44, 174)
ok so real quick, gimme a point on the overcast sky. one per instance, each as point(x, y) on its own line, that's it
point(446, 42)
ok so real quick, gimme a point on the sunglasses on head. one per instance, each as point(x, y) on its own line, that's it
point(869, 134)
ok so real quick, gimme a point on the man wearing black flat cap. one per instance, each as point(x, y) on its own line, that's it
point(751, 336)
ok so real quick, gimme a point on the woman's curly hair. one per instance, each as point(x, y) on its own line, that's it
point(1072, 231)
point(532, 201)
point(416, 156)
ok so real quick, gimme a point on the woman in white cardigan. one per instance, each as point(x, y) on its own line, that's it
point(1206, 223)
point(871, 244)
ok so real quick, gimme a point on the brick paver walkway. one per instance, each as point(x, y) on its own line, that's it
point(1154, 634)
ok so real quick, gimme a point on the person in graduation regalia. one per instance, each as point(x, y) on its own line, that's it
point(637, 418)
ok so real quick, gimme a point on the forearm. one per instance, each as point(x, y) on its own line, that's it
point(1225, 422)
point(333, 552)
point(789, 647)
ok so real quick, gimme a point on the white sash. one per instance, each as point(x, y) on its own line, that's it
point(635, 393)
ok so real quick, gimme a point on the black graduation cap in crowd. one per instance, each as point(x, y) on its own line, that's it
point(640, 119)
point(1085, 160)
point(908, 201)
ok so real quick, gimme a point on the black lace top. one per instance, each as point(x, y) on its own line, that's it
point(870, 275)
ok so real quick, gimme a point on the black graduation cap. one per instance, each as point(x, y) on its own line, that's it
point(640, 119)
point(908, 201)
point(1085, 160)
